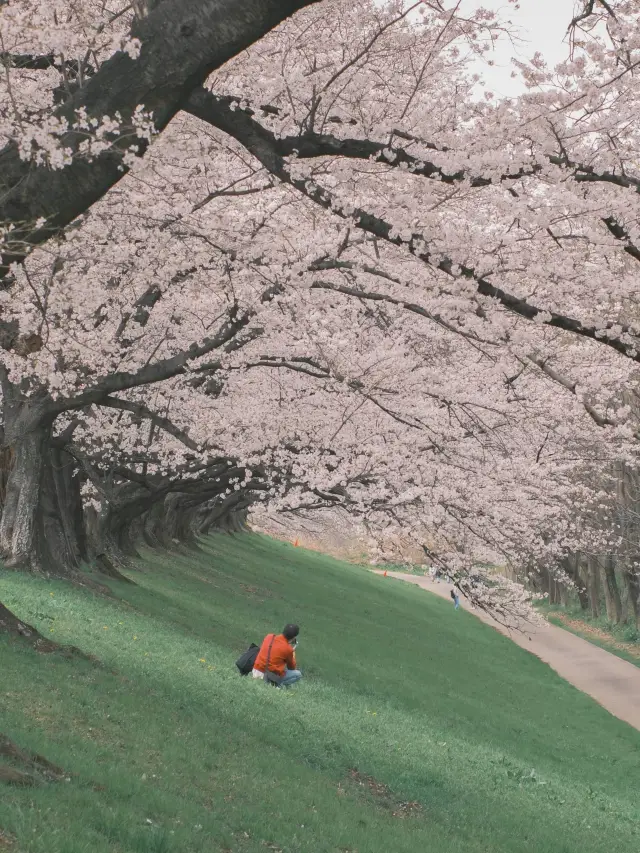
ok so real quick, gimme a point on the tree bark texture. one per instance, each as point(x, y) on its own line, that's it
point(183, 41)
point(42, 522)
point(612, 599)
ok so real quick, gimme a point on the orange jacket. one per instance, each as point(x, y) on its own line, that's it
point(282, 655)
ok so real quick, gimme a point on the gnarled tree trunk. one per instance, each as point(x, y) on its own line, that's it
point(593, 586)
point(154, 531)
point(632, 583)
point(42, 525)
point(228, 515)
point(612, 599)
point(19, 526)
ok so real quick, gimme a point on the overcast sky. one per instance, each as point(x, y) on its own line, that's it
point(541, 25)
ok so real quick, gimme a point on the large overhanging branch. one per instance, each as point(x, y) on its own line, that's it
point(141, 411)
point(150, 374)
point(262, 144)
point(311, 145)
point(183, 41)
point(228, 338)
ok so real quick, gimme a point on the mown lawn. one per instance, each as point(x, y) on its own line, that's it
point(416, 728)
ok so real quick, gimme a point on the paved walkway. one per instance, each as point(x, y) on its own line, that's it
point(610, 680)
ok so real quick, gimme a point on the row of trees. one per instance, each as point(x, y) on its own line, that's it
point(296, 260)
point(605, 580)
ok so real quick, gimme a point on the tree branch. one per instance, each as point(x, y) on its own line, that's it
point(261, 143)
point(42, 62)
point(183, 41)
point(166, 368)
point(595, 416)
point(312, 145)
point(141, 411)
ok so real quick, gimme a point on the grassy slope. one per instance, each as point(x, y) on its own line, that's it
point(503, 756)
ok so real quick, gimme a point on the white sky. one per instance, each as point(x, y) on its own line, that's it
point(541, 26)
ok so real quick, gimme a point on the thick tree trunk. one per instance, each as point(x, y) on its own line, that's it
point(229, 516)
point(120, 525)
point(234, 521)
point(6, 464)
point(62, 510)
point(179, 516)
point(581, 579)
point(42, 526)
point(611, 591)
point(632, 584)
point(154, 531)
point(572, 565)
point(552, 589)
point(19, 523)
point(593, 586)
point(110, 545)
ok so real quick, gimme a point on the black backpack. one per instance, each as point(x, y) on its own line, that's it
point(247, 659)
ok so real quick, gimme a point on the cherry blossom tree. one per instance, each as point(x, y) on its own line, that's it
point(309, 267)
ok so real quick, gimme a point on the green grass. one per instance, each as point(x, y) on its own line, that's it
point(170, 751)
point(624, 632)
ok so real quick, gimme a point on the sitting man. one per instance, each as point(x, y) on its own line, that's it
point(277, 657)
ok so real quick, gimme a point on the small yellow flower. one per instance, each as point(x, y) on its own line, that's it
point(202, 660)
point(105, 627)
point(50, 593)
point(135, 638)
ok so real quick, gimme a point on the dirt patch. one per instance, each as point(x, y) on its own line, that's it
point(598, 634)
point(384, 796)
point(257, 591)
point(6, 841)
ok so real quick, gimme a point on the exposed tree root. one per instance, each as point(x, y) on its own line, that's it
point(27, 768)
point(107, 567)
point(11, 776)
point(11, 625)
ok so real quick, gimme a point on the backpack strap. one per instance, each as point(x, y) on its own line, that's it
point(266, 666)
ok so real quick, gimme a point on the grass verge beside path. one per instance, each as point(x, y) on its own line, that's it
point(416, 728)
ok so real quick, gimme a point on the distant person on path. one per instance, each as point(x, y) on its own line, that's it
point(277, 656)
point(455, 599)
